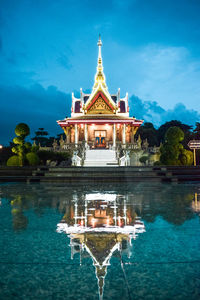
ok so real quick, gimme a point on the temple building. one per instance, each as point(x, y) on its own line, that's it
point(100, 120)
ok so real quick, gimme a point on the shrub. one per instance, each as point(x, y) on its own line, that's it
point(14, 161)
point(53, 156)
point(143, 159)
point(157, 163)
point(18, 140)
point(21, 148)
point(174, 135)
point(32, 158)
point(172, 151)
point(34, 148)
point(22, 129)
point(5, 153)
point(28, 146)
point(45, 155)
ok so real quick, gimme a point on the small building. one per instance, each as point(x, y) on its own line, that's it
point(100, 120)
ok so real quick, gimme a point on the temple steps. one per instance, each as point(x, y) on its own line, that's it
point(100, 158)
point(99, 174)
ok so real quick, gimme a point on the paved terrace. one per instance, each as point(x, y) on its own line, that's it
point(99, 174)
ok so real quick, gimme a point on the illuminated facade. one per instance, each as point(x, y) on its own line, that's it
point(99, 119)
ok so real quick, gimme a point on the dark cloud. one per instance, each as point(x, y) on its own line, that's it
point(150, 111)
point(40, 107)
point(36, 106)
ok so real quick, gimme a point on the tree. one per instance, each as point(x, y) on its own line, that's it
point(21, 147)
point(41, 137)
point(196, 132)
point(147, 131)
point(172, 151)
point(163, 129)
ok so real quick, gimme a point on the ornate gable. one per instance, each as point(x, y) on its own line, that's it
point(100, 105)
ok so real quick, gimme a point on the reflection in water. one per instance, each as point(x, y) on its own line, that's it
point(196, 203)
point(172, 203)
point(101, 225)
point(101, 221)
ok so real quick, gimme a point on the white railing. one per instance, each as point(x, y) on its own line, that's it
point(76, 160)
point(124, 160)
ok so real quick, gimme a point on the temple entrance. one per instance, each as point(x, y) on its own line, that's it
point(100, 138)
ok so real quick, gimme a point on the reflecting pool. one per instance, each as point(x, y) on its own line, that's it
point(108, 241)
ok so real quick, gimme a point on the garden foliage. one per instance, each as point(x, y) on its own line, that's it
point(172, 151)
point(22, 149)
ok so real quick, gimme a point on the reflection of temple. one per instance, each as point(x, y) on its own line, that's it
point(196, 203)
point(101, 226)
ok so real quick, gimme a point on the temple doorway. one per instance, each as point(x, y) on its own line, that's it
point(100, 138)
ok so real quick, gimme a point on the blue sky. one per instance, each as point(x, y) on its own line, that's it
point(48, 49)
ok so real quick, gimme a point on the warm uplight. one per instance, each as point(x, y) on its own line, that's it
point(1, 146)
point(82, 126)
point(118, 126)
point(119, 221)
point(108, 222)
point(93, 221)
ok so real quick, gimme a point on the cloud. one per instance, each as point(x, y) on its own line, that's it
point(36, 106)
point(150, 111)
point(41, 107)
point(166, 74)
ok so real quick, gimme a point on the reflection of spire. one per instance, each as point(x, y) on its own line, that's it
point(101, 274)
point(101, 248)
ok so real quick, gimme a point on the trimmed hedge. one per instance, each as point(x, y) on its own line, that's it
point(22, 129)
point(14, 161)
point(32, 158)
point(53, 156)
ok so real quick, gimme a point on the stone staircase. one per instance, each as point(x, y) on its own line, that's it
point(100, 158)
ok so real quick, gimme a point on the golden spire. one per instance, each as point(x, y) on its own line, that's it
point(99, 77)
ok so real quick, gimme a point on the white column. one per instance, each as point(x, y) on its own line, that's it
point(86, 213)
point(76, 134)
point(68, 135)
point(115, 212)
point(86, 135)
point(124, 134)
point(114, 135)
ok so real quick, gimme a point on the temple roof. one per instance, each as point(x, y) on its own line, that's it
point(101, 117)
point(100, 244)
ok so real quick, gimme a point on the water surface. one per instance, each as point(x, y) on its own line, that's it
point(115, 241)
